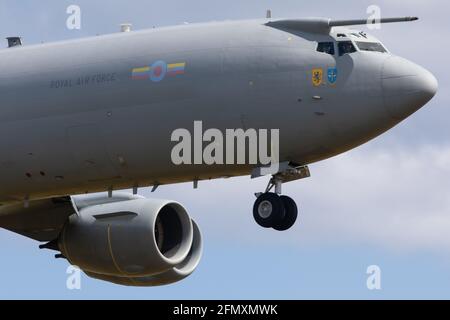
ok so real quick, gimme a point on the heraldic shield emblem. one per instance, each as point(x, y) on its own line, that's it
point(332, 75)
point(317, 77)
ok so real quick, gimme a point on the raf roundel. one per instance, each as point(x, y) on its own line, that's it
point(158, 71)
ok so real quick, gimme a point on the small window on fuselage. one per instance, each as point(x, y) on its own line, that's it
point(371, 46)
point(326, 47)
point(346, 47)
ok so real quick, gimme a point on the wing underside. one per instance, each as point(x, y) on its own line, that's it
point(41, 220)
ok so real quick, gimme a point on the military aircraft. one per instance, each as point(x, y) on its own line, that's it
point(98, 114)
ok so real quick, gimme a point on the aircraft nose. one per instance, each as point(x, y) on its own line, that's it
point(406, 87)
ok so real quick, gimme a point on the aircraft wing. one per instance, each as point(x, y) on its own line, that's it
point(42, 220)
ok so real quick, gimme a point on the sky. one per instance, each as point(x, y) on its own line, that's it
point(386, 203)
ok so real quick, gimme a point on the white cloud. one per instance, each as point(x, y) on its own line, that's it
point(399, 199)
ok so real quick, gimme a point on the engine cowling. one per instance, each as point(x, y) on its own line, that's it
point(136, 241)
point(175, 274)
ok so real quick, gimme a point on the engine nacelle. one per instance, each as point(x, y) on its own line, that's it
point(178, 273)
point(138, 238)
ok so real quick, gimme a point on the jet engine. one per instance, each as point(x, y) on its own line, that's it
point(133, 241)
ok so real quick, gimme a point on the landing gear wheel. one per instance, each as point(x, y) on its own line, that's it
point(291, 213)
point(268, 210)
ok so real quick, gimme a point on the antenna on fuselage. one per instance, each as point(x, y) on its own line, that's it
point(14, 42)
point(126, 27)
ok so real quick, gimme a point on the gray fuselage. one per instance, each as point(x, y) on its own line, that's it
point(75, 120)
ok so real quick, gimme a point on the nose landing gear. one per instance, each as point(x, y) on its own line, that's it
point(276, 211)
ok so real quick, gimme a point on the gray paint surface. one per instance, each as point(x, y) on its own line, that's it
point(116, 132)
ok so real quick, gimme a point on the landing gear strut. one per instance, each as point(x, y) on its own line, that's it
point(273, 210)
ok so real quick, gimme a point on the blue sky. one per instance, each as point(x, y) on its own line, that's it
point(386, 203)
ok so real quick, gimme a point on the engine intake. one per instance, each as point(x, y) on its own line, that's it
point(135, 238)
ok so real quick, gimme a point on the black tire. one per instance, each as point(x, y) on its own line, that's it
point(268, 210)
point(291, 214)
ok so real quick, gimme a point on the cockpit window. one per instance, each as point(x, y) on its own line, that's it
point(346, 47)
point(326, 47)
point(371, 46)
